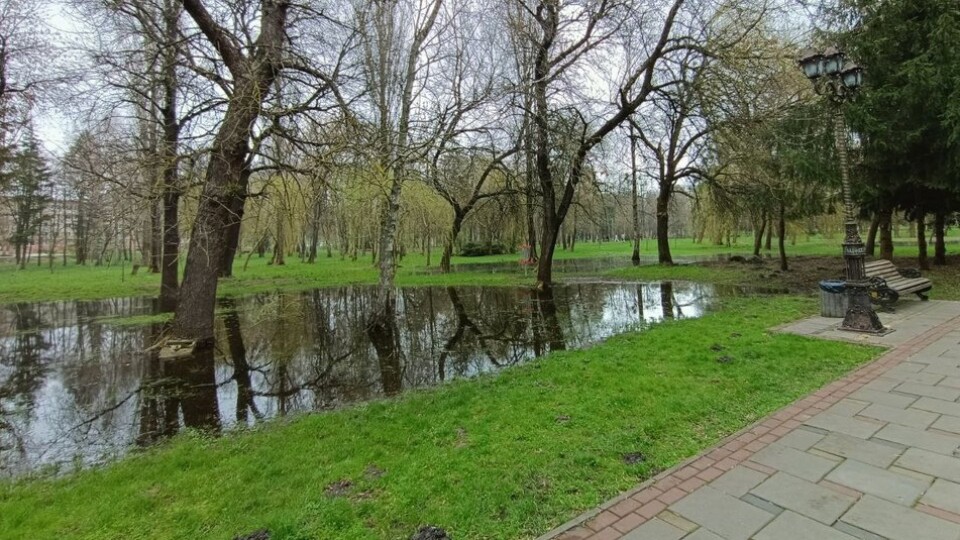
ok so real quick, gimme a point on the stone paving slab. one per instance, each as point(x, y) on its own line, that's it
point(806, 498)
point(722, 514)
point(944, 495)
point(874, 455)
point(797, 527)
point(896, 522)
point(882, 483)
point(870, 452)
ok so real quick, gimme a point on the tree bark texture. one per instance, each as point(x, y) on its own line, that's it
point(886, 233)
point(923, 260)
point(939, 231)
point(253, 77)
point(781, 237)
point(663, 227)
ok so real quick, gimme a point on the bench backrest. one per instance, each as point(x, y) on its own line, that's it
point(882, 268)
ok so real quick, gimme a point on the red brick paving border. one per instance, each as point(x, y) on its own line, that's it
point(633, 508)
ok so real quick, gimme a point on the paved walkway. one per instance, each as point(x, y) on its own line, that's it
point(871, 456)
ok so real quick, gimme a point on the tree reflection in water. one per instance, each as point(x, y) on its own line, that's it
point(74, 387)
point(176, 389)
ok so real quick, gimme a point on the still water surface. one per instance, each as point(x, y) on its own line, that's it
point(78, 390)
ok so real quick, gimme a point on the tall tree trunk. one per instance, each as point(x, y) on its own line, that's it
point(237, 205)
point(872, 235)
point(448, 247)
point(388, 239)
point(548, 245)
point(768, 244)
point(663, 225)
point(758, 230)
point(315, 230)
point(635, 197)
point(153, 237)
point(279, 244)
point(886, 233)
point(922, 259)
point(40, 244)
point(170, 253)
point(530, 209)
point(781, 237)
point(169, 270)
point(225, 170)
point(939, 231)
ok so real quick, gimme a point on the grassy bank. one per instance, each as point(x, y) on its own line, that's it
point(90, 282)
point(506, 456)
point(73, 282)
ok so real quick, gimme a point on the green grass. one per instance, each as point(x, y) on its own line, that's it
point(504, 456)
point(88, 282)
point(652, 272)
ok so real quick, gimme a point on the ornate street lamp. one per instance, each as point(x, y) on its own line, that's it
point(838, 80)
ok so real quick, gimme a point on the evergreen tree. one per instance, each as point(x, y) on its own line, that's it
point(27, 194)
point(908, 117)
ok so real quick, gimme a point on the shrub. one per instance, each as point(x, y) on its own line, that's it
point(473, 249)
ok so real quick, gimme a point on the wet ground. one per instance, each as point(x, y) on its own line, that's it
point(78, 389)
point(586, 265)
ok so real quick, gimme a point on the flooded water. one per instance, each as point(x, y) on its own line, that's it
point(77, 389)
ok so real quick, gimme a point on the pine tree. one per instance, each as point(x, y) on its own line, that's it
point(28, 185)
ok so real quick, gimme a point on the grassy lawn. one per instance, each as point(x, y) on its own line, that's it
point(505, 456)
point(89, 282)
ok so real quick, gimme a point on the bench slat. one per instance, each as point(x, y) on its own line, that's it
point(895, 280)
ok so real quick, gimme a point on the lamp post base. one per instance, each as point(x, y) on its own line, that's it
point(860, 316)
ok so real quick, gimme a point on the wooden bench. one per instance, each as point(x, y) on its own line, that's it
point(887, 282)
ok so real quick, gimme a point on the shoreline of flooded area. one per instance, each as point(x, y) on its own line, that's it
point(76, 390)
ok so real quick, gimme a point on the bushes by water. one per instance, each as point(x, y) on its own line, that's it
point(473, 249)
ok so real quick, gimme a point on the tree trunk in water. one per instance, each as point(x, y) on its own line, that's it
point(548, 244)
point(872, 235)
point(387, 248)
point(224, 178)
point(663, 226)
point(939, 231)
point(448, 247)
point(208, 241)
point(781, 238)
point(922, 259)
point(886, 234)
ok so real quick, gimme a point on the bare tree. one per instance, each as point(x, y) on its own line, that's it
point(253, 73)
point(564, 37)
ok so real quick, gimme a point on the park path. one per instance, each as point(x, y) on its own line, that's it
point(873, 455)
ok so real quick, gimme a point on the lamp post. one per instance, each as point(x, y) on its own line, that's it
point(838, 80)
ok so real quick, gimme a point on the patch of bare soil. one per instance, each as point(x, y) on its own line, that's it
point(802, 276)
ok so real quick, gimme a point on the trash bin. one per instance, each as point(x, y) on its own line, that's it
point(833, 298)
